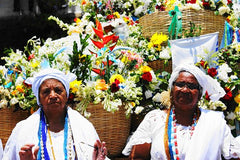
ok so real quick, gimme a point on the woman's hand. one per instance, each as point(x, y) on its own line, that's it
point(26, 152)
point(100, 151)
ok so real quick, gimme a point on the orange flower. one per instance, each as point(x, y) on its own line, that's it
point(101, 85)
point(20, 89)
point(14, 92)
point(83, 2)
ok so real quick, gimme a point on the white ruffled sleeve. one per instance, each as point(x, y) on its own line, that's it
point(144, 132)
point(231, 145)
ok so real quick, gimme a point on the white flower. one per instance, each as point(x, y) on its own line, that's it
point(165, 54)
point(19, 80)
point(148, 94)
point(223, 71)
point(157, 97)
point(3, 103)
point(138, 109)
point(233, 77)
point(231, 116)
point(224, 9)
point(13, 101)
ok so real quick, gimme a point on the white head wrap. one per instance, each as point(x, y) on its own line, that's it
point(207, 83)
point(49, 73)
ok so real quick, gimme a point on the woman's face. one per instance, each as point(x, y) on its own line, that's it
point(185, 91)
point(52, 95)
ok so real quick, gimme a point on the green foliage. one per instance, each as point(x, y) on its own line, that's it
point(193, 31)
point(81, 64)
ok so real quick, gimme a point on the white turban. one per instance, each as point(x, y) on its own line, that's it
point(49, 73)
point(212, 86)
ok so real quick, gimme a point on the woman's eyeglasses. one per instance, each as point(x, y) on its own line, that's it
point(191, 86)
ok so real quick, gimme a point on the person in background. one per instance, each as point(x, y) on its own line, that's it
point(55, 131)
point(185, 131)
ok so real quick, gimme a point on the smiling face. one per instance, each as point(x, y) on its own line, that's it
point(53, 96)
point(185, 91)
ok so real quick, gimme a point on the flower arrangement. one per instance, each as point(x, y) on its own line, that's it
point(117, 75)
point(223, 66)
point(113, 54)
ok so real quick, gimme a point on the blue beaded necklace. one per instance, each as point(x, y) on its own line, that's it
point(172, 136)
point(42, 137)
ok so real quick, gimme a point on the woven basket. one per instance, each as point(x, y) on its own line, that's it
point(8, 119)
point(158, 65)
point(160, 21)
point(113, 128)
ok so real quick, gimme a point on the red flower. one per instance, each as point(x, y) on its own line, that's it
point(109, 17)
point(160, 7)
point(203, 64)
point(71, 97)
point(115, 86)
point(27, 85)
point(191, 1)
point(228, 96)
point(227, 89)
point(147, 76)
point(206, 4)
point(104, 39)
point(212, 72)
point(229, 2)
point(207, 96)
point(31, 56)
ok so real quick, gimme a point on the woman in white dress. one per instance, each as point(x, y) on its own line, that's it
point(55, 131)
point(184, 131)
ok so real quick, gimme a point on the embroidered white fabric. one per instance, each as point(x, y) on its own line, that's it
point(211, 137)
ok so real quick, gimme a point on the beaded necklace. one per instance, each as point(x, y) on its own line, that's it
point(42, 136)
point(170, 135)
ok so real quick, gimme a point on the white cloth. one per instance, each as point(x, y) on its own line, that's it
point(211, 138)
point(212, 86)
point(26, 131)
point(49, 73)
point(190, 50)
point(1, 149)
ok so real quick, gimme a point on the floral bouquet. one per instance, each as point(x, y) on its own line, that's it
point(224, 66)
point(117, 76)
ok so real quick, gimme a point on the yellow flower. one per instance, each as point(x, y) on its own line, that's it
point(97, 62)
point(101, 85)
point(20, 89)
point(75, 30)
point(124, 59)
point(77, 20)
point(118, 77)
point(150, 45)
point(35, 64)
point(133, 104)
point(74, 85)
point(237, 99)
point(145, 69)
point(116, 14)
point(156, 40)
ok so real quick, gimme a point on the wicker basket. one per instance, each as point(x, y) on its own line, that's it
point(113, 128)
point(160, 21)
point(8, 119)
point(158, 65)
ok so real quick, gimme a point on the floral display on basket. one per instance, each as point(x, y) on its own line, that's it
point(117, 78)
point(107, 51)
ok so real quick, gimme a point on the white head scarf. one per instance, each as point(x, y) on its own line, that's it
point(49, 73)
point(212, 86)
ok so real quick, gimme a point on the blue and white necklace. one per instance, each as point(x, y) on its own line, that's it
point(42, 137)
